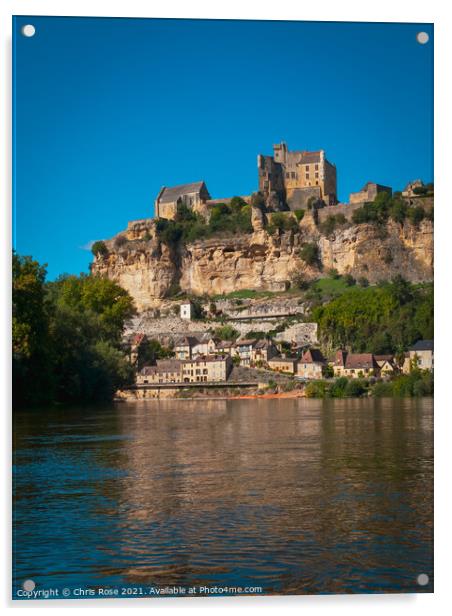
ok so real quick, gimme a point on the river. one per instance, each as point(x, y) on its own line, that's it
point(291, 496)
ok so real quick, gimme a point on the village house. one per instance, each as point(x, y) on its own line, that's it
point(262, 351)
point(283, 364)
point(386, 364)
point(206, 345)
point(311, 364)
point(243, 348)
point(419, 355)
point(225, 347)
point(170, 199)
point(355, 365)
point(183, 347)
point(165, 371)
point(213, 368)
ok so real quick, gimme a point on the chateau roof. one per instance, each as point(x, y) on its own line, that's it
point(169, 194)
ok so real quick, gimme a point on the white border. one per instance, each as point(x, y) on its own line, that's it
point(328, 10)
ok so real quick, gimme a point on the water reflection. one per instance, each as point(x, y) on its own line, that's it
point(294, 495)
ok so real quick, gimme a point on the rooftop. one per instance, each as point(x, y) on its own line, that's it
point(170, 194)
point(422, 345)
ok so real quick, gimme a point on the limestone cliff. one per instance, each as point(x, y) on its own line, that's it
point(151, 271)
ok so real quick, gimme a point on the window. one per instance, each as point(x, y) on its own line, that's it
point(316, 175)
point(307, 167)
point(294, 175)
point(316, 167)
point(307, 176)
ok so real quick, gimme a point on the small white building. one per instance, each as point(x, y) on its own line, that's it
point(186, 310)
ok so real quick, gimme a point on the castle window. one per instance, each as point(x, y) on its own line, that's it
point(294, 175)
point(307, 176)
point(316, 175)
point(316, 167)
point(307, 167)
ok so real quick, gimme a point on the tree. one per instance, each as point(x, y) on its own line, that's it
point(149, 351)
point(99, 248)
point(226, 332)
point(309, 253)
point(30, 333)
point(67, 336)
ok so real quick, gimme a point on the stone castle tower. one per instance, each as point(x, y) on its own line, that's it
point(296, 177)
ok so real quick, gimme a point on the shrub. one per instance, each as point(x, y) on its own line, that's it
point(416, 214)
point(363, 282)
point(226, 332)
point(99, 248)
point(299, 214)
point(349, 280)
point(299, 282)
point(309, 253)
point(356, 388)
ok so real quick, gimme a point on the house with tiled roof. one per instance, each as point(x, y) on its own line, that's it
point(355, 365)
point(262, 351)
point(283, 364)
point(311, 364)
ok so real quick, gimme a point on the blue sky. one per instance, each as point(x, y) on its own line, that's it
point(106, 111)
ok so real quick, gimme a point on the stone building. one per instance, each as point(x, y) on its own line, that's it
point(207, 368)
point(409, 190)
point(297, 177)
point(419, 355)
point(311, 364)
point(355, 365)
point(165, 371)
point(368, 193)
point(170, 199)
point(283, 364)
point(262, 351)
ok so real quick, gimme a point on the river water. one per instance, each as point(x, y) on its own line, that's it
point(293, 496)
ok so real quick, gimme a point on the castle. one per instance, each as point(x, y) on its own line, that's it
point(296, 178)
point(288, 180)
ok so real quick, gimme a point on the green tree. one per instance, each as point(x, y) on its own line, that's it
point(309, 253)
point(99, 248)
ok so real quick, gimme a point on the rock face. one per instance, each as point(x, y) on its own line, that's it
point(151, 271)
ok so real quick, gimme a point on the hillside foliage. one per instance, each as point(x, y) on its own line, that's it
point(378, 319)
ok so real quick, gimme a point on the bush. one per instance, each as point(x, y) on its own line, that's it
point(226, 332)
point(330, 223)
point(99, 248)
point(356, 388)
point(416, 214)
point(299, 282)
point(281, 222)
point(349, 280)
point(309, 253)
point(299, 214)
point(363, 282)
